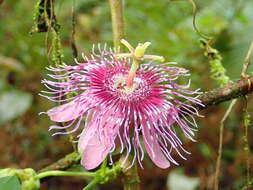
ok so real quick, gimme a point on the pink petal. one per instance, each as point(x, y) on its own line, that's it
point(153, 149)
point(65, 112)
point(69, 111)
point(89, 130)
point(97, 139)
point(96, 151)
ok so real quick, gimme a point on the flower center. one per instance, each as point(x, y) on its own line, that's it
point(137, 91)
point(121, 86)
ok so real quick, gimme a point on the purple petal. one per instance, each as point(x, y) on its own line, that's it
point(69, 111)
point(65, 112)
point(97, 139)
point(153, 148)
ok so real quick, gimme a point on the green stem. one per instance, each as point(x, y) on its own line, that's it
point(114, 171)
point(64, 173)
point(247, 60)
point(117, 21)
point(90, 185)
point(103, 175)
point(131, 179)
point(246, 123)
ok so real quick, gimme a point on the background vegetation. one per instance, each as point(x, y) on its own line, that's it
point(25, 140)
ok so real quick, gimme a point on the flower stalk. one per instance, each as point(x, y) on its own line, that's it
point(130, 179)
point(117, 21)
point(101, 176)
point(64, 173)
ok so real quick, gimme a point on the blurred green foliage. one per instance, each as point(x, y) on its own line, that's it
point(165, 23)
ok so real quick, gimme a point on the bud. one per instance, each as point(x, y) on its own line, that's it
point(28, 179)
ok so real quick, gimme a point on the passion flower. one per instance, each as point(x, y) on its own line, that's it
point(129, 100)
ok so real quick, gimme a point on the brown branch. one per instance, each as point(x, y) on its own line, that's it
point(64, 163)
point(234, 90)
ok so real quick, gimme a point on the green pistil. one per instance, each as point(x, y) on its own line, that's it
point(138, 54)
point(131, 74)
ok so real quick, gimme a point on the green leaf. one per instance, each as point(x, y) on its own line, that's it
point(13, 103)
point(9, 183)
